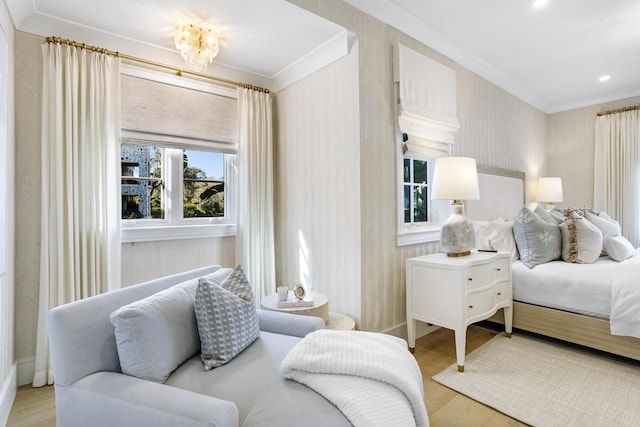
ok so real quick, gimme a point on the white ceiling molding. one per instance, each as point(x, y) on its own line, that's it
point(329, 52)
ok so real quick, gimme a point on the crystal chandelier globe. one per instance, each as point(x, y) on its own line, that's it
point(197, 45)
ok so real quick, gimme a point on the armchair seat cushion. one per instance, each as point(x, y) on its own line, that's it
point(252, 380)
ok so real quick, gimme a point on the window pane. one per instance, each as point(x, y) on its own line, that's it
point(419, 172)
point(141, 188)
point(407, 170)
point(407, 200)
point(203, 176)
point(420, 204)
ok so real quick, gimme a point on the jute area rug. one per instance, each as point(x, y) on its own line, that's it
point(544, 383)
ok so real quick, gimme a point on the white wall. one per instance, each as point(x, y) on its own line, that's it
point(8, 371)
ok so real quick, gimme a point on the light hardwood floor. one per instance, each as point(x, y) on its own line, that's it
point(434, 352)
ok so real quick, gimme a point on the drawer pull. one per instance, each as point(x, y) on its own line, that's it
point(470, 279)
point(470, 306)
point(499, 293)
point(498, 269)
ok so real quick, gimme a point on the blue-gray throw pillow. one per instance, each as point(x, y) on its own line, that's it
point(227, 318)
point(538, 239)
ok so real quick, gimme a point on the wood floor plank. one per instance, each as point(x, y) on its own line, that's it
point(35, 407)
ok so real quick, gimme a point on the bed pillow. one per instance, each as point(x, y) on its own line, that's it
point(606, 225)
point(618, 248)
point(226, 317)
point(481, 230)
point(557, 214)
point(496, 235)
point(538, 240)
point(582, 241)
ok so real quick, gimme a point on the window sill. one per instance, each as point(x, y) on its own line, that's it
point(175, 232)
point(425, 235)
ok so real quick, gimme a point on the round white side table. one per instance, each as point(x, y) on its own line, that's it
point(320, 308)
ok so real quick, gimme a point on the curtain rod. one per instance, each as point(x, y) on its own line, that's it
point(619, 110)
point(179, 71)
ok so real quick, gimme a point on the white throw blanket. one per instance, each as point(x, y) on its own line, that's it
point(371, 377)
point(625, 300)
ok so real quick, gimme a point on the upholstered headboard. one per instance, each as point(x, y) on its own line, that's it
point(501, 194)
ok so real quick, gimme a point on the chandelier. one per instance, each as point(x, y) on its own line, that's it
point(198, 46)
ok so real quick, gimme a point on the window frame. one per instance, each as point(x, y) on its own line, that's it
point(174, 226)
point(439, 210)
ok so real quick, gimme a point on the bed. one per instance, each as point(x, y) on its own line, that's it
point(536, 307)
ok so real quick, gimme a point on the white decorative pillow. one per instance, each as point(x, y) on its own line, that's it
point(538, 240)
point(581, 240)
point(227, 318)
point(606, 225)
point(618, 248)
point(156, 334)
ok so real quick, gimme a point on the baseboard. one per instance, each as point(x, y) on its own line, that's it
point(422, 329)
point(7, 395)
point(26, 369)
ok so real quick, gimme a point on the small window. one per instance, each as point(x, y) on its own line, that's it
point(416, 191)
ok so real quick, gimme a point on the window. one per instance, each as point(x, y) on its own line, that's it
point(168, 188)
point(178, 157)
point(416, 191)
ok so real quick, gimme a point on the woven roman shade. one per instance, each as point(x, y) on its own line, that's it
point(177, 116)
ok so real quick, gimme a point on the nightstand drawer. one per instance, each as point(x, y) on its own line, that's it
point(502, 290)
point(479, 276)
point(480, 303)
point(503, 267)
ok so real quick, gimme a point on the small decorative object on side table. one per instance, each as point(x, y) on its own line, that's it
point(456, 292)
point(318, 308)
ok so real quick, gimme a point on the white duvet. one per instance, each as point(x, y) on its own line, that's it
point(605, 289)
point(371, 377)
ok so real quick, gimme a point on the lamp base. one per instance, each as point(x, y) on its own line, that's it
point(457, 237)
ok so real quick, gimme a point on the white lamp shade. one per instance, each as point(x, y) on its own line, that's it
point(455, 178)
point(549, 189)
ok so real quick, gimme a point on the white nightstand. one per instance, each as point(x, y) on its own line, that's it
point(454, 292)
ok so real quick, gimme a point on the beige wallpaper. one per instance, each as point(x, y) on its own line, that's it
point(317, 185)
point(570, 149)
point(7, 276)
point(496, 128)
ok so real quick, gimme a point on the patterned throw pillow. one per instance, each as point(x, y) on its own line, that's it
point(538, 240)
point(227, 318)
point(581, 240)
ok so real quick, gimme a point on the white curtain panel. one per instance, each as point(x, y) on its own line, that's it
point(80, 235)
point(254, 240)
point(617, 170)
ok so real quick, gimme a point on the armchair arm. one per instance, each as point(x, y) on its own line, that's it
point(115, 399)
point(288, 324)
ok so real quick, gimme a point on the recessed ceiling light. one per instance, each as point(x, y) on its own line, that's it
point(540, 3)
point(604, 78)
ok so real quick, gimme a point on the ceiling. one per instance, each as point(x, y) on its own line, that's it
point(551, 57)
point(269, 43)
